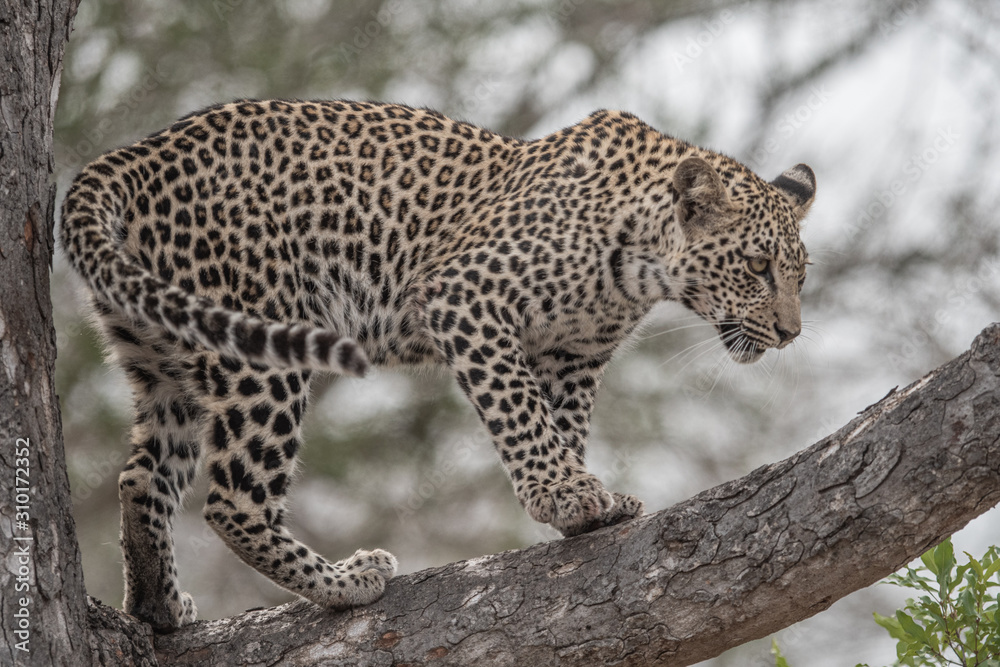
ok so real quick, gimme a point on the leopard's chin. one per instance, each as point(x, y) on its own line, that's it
point(747, 356)
point(742, 348)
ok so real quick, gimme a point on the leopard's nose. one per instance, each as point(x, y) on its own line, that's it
point(786, 336)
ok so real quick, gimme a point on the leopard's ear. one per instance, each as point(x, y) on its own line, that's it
point(798, 184)
point(702, 195)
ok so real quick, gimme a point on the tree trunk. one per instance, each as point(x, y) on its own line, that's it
point(42, 603)
point(732, 564)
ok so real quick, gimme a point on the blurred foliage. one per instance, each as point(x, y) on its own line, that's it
point(902, 235)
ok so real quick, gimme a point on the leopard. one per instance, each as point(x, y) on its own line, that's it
point(230, 257)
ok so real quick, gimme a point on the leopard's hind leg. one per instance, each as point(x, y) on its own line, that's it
point(252, 435)
point(164, 459)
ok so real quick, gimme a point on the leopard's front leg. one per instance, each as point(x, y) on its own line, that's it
point(569, 380)
point(490, 366)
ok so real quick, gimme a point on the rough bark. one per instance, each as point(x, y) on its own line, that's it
point(43, 609)
point(42, 582)
point(732, 564)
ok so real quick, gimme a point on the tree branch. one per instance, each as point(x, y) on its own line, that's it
point(732, 564)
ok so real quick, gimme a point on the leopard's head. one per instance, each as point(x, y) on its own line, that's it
point(744, 262)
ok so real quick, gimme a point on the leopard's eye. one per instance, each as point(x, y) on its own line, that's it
point(758, 265)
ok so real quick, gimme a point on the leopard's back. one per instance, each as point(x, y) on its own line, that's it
point(322, 213)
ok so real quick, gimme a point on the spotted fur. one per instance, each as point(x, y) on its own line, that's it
point(250, 244)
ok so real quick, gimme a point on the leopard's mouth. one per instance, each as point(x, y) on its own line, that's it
point(742, 348)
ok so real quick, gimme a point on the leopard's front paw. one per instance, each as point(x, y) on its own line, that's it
point(577, 501)
point(626, 507)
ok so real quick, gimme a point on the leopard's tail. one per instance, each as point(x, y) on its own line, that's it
point(91, 228)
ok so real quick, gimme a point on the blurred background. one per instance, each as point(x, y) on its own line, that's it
point(894, 105)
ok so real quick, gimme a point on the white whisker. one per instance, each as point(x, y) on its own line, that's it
point(689, 348)
point(695, 325)
point(716, 344)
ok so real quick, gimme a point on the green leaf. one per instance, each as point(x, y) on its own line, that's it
point(975, 565)
point(944, 561)
point(910, 626)
point(924, 584)
point(965, 573)
point(928, 560)
point(779, 660)
point(935, 643)
point(892, 626)
point(932, 610)
point(944, 555)
point(967, 603)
